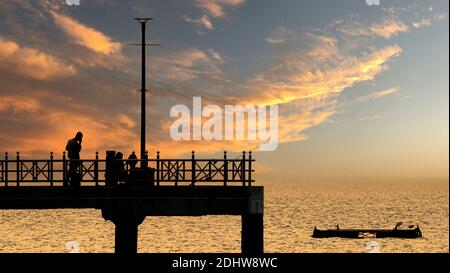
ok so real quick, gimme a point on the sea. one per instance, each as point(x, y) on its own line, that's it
point(291, 212)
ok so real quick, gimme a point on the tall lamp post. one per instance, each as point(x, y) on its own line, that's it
point(143, 44)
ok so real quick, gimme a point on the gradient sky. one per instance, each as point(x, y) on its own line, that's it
point(362, 90)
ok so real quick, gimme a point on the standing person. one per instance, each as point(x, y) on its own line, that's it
point(73, 149)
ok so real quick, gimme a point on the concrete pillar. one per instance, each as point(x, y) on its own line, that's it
point(252, 241)
point(126, 222)
point(126, 236)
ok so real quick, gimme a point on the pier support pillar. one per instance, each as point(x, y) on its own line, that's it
point(126, 222)
point(126, 236)
point(252, 241)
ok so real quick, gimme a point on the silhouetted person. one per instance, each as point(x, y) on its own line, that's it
point(73, 149)
point(132, 161)
point(119, 168)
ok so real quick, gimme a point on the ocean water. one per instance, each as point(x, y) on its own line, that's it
point(291, 212)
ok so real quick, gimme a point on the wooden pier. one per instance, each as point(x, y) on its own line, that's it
point(171, 187)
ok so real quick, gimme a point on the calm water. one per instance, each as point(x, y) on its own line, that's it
point(291, 212)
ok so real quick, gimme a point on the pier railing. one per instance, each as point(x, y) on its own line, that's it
point(15, 171)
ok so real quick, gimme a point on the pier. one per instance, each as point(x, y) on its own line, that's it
point(126, 194)
point(170, 187)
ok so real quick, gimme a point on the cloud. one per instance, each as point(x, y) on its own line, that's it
point(379, 94)
point(187, 65)
point(18, 104)
point(126, 120)
point(422, 23)
point(386, 28)
point(86, 36)
point(282, 35)
point(200, 22)
point(301, 75)
point(216, 56)
point(305, 81)
point(440, 17)
point(300, 115)
point(216, 8)
point(394, 21)
point(370, 118)
point(37, 127)
point(213, 8)
point(310, 69)
point(389, 29)
point(30, 62)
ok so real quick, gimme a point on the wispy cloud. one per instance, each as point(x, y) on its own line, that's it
point(282, 35)
point(17, 104)
point(368, 118)
point(392, 22)
point(30, 62)
point(300, 75)
point(389, 29)
point(211, 8)
point(422, 23)
point(187, 65)
point(379, 94)
point(86, 36)
point(216, 56)
point(216, 8)
point(47, 128)
point(203, 21)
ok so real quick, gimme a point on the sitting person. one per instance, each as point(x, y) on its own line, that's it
point(119, 168)
point(132, 161)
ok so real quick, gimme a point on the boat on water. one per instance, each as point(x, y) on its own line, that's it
point(411, 232)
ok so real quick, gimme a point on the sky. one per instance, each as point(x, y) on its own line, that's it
point(362, 90)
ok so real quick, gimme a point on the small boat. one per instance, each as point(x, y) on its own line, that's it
point(410, 232)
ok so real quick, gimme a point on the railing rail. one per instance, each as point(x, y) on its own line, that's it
point(54, 172)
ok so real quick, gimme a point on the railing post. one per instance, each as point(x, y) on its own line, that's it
point(176, 172)
point(144, 163)
point(193, 168)
point(96, 169)
point(243, 169)
point(157, 168)
point(209, 170)
point(50, 169)
point(64, 167)
point(250, 168)
point(225, 168)
point(6, 169)
point(146, 170)
point(34, 165)
point(80, 172)
point(18, 172)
